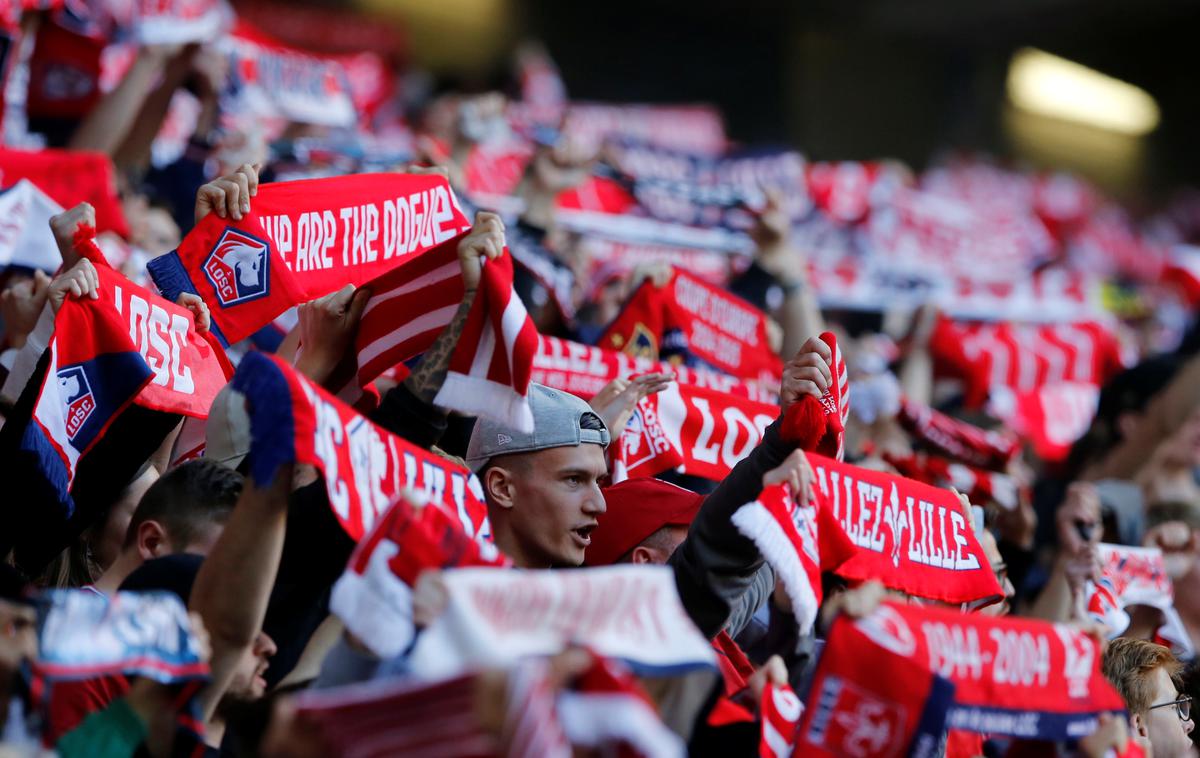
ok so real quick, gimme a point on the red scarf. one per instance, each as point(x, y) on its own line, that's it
point(583, 370)
point(305, 239)
point(273, 80)
point(1023, 357)
point(910, 536)
point(956, 439)
point(408, 308)
point(189, 369)
point(781, 711)
point(1053, 417)
point(799, 541)
point(608, 710)
point(699, 431)
point(691, 316)
point(69, 177)
point(397, 717)
point(1012, 676)
point(871, 699)
point(373, 598)
point(736, 670)
point(365, 467)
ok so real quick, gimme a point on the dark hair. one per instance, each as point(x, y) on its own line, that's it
point(591, 422)
point(186, 499)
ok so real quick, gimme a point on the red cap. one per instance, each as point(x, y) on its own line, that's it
point(637, 508)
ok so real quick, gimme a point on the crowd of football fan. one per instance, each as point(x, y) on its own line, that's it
point(254, 562)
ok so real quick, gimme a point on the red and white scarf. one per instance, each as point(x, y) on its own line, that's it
point(870, 699)
point(173, 22)
point(305, 239)
point(1136, 576)
point(780, 712)
point(1013, 676)
point(607, 709)
point(69, 177)
point(956, 439)
point(1023, 357)
point(697, 431)
point(908, 535)
point(365, 467)
point(495, 617)
point(373, 598)
point(799, 540)
point(584, 370)
point(691, 315)
point(490, 369)
point(272, 81)
point(189, 368)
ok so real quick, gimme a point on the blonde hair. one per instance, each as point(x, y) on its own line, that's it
point(1130, 665)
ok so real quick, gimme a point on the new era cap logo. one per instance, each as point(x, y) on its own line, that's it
point(503, 439)
point(237, 267)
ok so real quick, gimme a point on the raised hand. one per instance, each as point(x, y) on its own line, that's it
point(486, 240)
point(807, 373)
point(618, 399)
point(229, 196)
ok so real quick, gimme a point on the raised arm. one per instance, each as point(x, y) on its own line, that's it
point(799, 315)
point(235, 581)
point(117, 112)
point(715, 566)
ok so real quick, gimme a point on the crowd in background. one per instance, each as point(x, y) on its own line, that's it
point(1011, 334)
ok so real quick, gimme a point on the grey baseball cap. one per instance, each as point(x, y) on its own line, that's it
point(227, 431)
point(556, 423)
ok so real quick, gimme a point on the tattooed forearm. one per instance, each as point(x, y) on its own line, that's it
point(426, 378)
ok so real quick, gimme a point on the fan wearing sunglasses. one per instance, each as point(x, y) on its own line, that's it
point(1147, 676)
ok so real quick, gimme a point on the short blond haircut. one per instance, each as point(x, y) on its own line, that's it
point(1130, 665)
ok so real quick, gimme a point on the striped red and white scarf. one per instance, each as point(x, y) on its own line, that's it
point(1023, 357)
point(781, 711)
point(492, 363)
point(958, 440)
point(607, 710)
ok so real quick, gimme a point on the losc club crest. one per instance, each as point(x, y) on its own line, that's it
point(78, 401)
point(237, 267)
point(851, 721)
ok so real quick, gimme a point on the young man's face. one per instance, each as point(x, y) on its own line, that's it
point(1168, 734)
point(556, 501)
